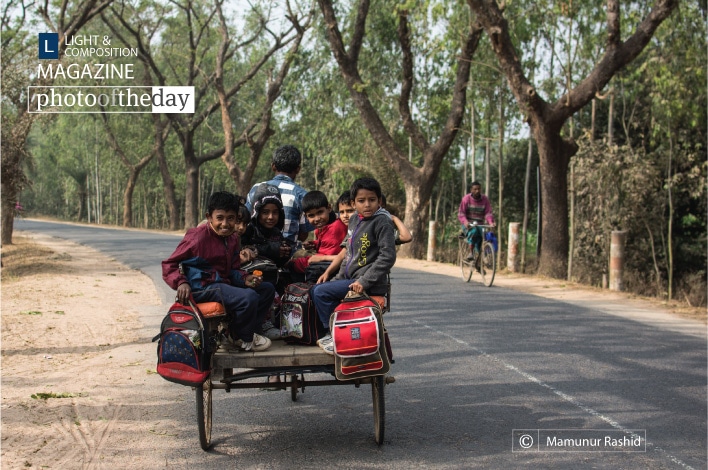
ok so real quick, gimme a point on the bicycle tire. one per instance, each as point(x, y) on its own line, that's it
point(488, 264)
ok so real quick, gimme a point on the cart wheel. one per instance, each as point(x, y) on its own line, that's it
point(293, 387)
point(488, 264)
point(204, 413)
point(377, 393)
point(465, 265)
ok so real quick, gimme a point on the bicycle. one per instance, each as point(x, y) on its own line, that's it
point(487, 266)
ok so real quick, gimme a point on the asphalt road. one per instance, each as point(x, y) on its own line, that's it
point(473, 364)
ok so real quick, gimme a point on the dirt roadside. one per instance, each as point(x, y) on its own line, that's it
point(74, 353)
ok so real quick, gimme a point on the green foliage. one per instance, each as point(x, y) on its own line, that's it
point(617, 188)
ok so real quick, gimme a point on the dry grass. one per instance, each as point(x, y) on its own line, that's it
point(24, 258)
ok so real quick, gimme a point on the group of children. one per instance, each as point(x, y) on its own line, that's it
point(357, 248)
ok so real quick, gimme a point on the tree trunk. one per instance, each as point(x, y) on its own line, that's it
point(554, 155)
point(8, 219)
point(168, 182)
point(128, 198)
point(191, 193)
point(416, 221)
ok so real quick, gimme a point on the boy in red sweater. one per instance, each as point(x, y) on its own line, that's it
point(329, 232)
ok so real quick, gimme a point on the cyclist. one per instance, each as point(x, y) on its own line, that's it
point(475, 209)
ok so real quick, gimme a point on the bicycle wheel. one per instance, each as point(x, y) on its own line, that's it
point(488, 264)
point(465, 265)
point(377, 395)
point(204, 406)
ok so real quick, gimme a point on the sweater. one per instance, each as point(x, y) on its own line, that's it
point(471, 209)
point(206, 258)
point(371, 252)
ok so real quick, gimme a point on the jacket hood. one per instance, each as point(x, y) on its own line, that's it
point(379, 211)
point(267, 194)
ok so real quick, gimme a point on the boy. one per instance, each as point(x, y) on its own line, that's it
point(286, 164)
point(345, 208)
point(329, 231)
point(206, 265)
point(244, 217)
point(370, 255)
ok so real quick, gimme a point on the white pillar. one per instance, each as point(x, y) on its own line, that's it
point(512, 259)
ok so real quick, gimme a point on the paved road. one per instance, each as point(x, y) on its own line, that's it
point(472, 365)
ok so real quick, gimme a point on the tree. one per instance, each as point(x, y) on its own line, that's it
point(417, 180)
point(18, 51)
point(547, 119)
point(186, 56)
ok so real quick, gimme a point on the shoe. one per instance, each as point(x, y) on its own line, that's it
point(328, 348)
point(269, 331)
point(325, 340)
point(470, 257)
point(259, 343)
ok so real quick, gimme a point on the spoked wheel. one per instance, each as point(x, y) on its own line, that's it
point(465, 266)
point(204, 406)
point(488, 264)
point(377, 393)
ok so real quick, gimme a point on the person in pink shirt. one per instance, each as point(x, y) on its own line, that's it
point(475, 209)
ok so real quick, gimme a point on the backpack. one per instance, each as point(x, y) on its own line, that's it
point(361, 347)
point(299, 323)
point(264, 265)
point(184, 346)
point(314, 270)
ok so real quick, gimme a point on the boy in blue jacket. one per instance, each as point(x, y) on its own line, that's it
point(206, 265)
point(370, 255)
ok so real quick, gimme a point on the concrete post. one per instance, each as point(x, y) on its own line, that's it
point(617, 259)
point(512, 259)
point(432, 229)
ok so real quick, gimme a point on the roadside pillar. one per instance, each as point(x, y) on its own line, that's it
point(512, 259)
point(432, 228)
point(617, 259)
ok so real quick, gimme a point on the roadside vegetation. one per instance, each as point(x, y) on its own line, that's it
point(425, 97)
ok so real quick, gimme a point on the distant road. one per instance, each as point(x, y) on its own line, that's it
point(472, 365)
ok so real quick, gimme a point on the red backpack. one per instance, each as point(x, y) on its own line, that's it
point(360, 346)
point(184, 347)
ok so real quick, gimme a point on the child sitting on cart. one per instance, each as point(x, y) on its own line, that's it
point(206, 265)
point(370, 255)
point(329, 234)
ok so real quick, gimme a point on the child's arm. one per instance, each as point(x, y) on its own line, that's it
point(173, 275)
point(404, 235)
point(320, 258)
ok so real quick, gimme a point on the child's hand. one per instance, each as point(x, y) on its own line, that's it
point(309, 245)
point(323, 278)
point(247, 255)
point(356, 287)
point(183, 293)
point(285, 250)
point(253, 281)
